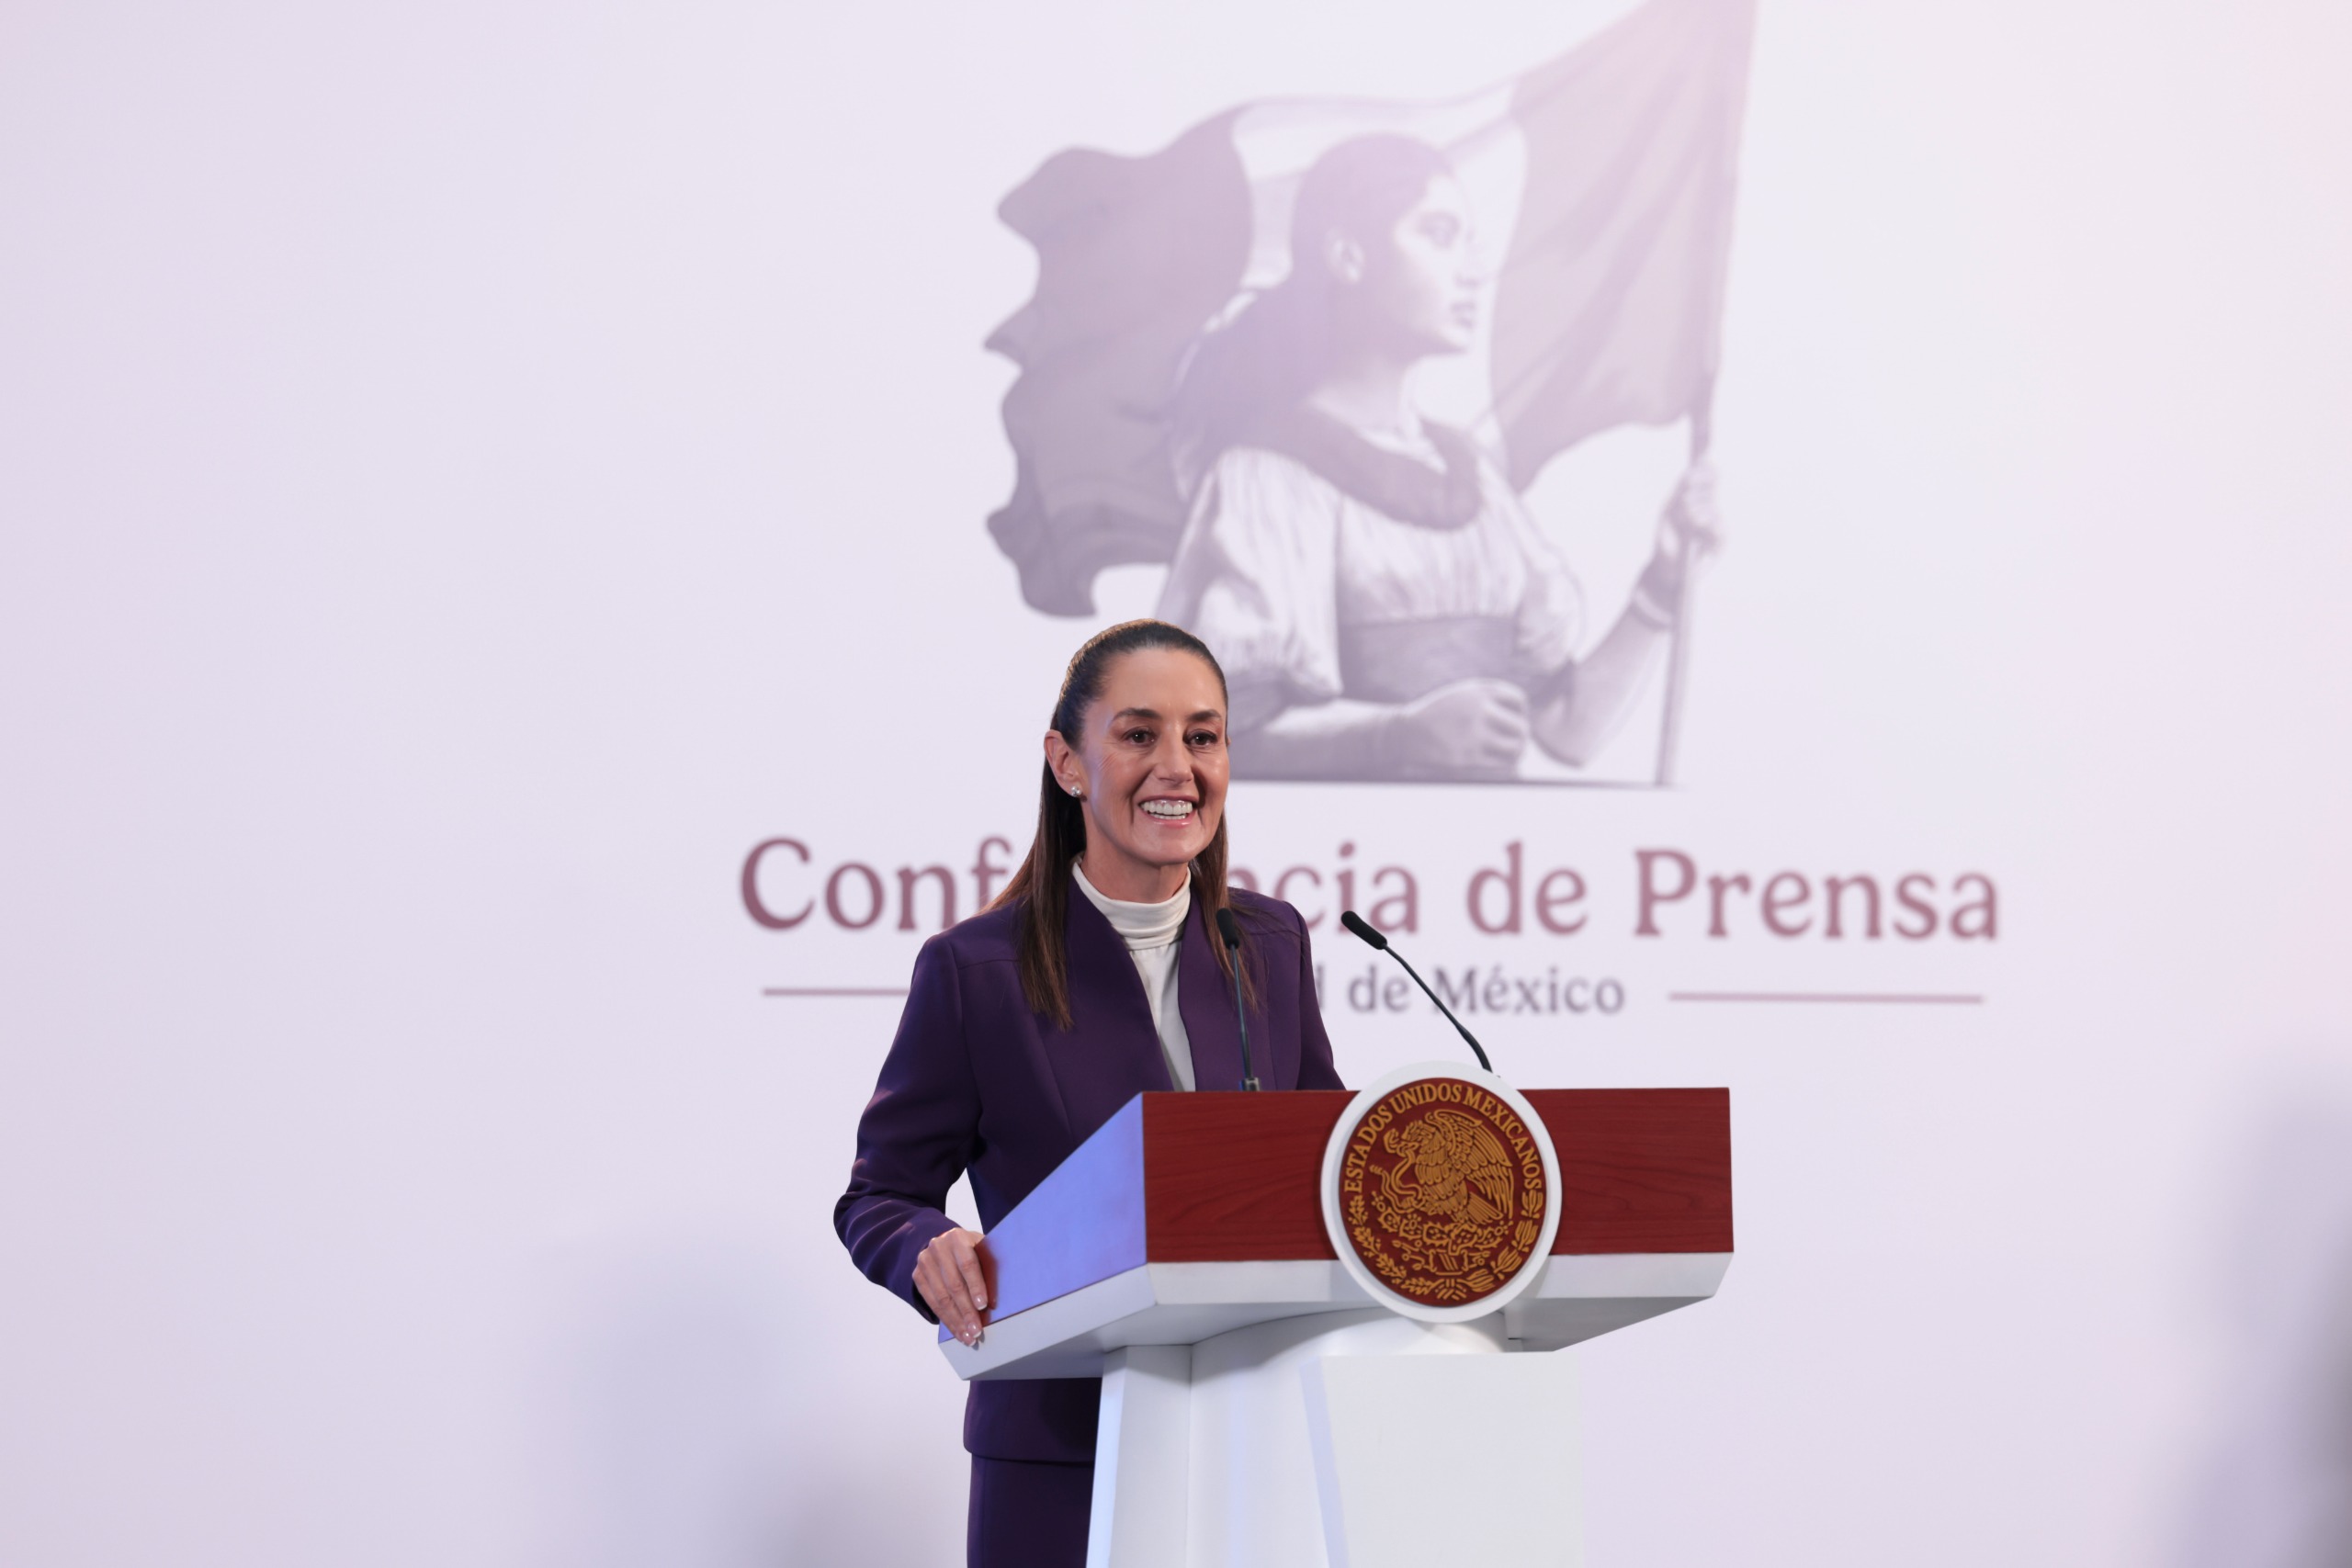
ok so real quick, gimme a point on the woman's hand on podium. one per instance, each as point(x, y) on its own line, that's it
point(948, 1274)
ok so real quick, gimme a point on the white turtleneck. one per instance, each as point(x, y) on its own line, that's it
point(1151, 932)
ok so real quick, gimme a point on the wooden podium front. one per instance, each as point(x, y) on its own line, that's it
point(1180, 1254)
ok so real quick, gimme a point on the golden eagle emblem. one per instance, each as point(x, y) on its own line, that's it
point(1451, 1166)
point(1442, 1191)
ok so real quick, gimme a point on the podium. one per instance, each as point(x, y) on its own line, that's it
point(1261, 1404)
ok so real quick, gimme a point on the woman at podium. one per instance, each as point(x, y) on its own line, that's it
point(1095, 976)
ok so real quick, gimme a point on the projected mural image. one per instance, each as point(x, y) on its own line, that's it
point(1313, 356)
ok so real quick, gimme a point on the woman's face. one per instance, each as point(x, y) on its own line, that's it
point(1151, 766)
point(1417, 286)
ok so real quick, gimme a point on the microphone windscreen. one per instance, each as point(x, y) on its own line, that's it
point(1363, 928)
point(1228, 928)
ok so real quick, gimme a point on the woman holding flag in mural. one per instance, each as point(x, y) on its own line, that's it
point(1383, 604)
point(1217, 367)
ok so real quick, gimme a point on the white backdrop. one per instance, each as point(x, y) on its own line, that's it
point(469, 473)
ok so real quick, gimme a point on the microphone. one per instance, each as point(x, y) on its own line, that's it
point(1230, 928)
point(1373, 938)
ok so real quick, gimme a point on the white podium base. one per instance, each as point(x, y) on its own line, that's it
point(1357, 1440)
point(1420, 1462)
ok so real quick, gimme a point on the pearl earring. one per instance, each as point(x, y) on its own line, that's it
point(1074, 795)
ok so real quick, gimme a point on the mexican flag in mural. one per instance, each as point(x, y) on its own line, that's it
point(1602, 185)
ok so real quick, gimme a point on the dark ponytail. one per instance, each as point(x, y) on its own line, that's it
point(1039, 892)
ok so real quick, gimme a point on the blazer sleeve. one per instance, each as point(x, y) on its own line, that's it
point(1314, 1066)
point(918, 1132)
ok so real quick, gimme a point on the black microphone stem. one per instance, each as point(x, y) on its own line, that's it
point(1230, 928)
point(1475, 1049)
point(1369, 935)
point(1241, 1020)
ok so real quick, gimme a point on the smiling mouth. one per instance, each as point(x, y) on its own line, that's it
point(1169, 810)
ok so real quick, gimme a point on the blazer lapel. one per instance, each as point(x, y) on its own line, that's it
point(1205, 999)
point(1112, 1051)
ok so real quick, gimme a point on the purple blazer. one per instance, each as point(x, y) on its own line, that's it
point(976, 1081)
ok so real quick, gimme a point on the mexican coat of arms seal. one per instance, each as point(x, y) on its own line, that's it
point(1440, 1192)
